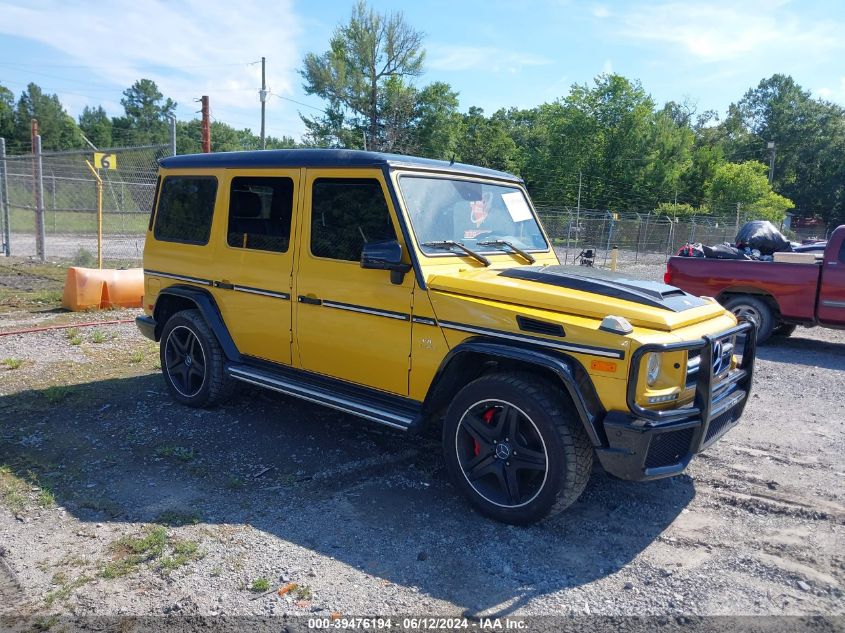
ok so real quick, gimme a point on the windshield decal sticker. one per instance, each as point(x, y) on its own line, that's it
point(517, 207)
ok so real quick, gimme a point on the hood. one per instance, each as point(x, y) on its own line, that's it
point(582, 291)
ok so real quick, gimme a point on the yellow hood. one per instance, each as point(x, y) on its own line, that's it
point(582, 292)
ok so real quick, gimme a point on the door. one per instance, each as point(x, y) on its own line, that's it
point(351, 323)
point(831, 308)
point(254, 263)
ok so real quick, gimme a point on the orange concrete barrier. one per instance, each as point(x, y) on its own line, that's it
point(90, 288)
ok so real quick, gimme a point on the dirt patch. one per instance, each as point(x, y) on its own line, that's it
point(130, 503)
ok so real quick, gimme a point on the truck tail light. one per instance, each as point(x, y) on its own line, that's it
point(667, 278)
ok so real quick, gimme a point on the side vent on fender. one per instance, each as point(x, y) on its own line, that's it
point(527, 324)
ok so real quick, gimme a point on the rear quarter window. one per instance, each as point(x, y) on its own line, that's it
point(185, 209)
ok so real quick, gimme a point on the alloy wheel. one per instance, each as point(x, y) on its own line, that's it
point(501, 453)
point(184, 361)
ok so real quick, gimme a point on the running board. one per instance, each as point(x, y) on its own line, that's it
point(394, 411)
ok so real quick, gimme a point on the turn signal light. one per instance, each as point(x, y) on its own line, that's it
point(603, 365)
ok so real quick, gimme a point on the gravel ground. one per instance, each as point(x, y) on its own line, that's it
point(115, 500)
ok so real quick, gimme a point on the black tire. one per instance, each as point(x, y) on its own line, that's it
point(192, 361)
point(784, 329)
point(754, 309)
point(556, 456)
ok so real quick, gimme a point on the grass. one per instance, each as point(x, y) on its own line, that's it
point(22, 220)
point(66, 587)
point(136, 357)
point(234, 483)
point(177, 452)
point(12, 489)
point(302, 592)
point(260, 585)
point(57, 393)
point(35, 284)
point(154, 548)
point(98, 336)
point(46, 498)
point(73, 336)
point(12, 363)
point(104, 506)
point(183, 553)
point(177, 518)
point(130, 552)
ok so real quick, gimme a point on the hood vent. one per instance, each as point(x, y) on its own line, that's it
point(527, 324)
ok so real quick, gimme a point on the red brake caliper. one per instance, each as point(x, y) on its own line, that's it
point(487, 416)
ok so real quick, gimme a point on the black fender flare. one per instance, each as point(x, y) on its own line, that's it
point(567, 369)
point(205, 303)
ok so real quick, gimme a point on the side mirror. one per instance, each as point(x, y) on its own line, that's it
point(386, 255)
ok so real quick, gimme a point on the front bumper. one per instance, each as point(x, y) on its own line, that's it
point(648, 444)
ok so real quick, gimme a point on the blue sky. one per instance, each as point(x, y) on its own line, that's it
point(495, 53)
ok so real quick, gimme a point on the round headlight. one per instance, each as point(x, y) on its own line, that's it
point(653, 369)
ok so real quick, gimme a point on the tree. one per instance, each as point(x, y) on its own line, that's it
point(96, 126)
point(146, 114)
point(485, 142)
point(224, 138)
point(809, 135)
point(437, 121)
point(365, 59)
point(746, 184)
point(57, 129)
point(7, 112)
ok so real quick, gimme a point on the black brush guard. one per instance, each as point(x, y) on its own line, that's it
point(648, 443)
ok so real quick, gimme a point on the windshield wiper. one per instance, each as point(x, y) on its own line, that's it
point(526, 256)
point(448, 245)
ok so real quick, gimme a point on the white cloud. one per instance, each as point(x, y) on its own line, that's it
point(824, 93)
point(723, 31)
point(600, 11)
point(607, 67)
point(189, 48)
point(490, 58)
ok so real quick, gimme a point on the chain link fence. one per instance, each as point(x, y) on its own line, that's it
point(67, 192)
point(65, 187)
point(640, 238)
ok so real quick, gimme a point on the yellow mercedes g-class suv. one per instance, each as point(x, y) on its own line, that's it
point(414, 292)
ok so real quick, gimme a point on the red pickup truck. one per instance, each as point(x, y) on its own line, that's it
point(778, 296)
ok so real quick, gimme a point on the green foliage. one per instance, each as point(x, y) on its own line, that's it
point(678, 210)
point(362, 77)
point(485, 142)
point(146, 114)
point(7, 112)
point(746, 184)
point(260, 585)
point(58, 130)
point(96, 126)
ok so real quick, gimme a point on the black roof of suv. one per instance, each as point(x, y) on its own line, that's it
point(323, 158)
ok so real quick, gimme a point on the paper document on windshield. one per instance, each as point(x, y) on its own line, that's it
point(517, 206)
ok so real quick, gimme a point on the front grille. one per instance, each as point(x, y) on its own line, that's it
point(718, 424)
point(667, 449)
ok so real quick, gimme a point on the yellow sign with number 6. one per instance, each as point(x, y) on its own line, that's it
point(105, 161)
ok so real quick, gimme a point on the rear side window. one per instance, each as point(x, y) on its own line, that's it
point(345, 215)
point(185, 209)
point(260, 211)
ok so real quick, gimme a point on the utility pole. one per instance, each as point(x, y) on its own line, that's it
point(172, 124)
point(771, 146)
point(738, 209)
point(4, 201)
point(263, 95)
point(206, 126)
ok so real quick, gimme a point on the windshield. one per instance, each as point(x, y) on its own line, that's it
point(469, 212)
